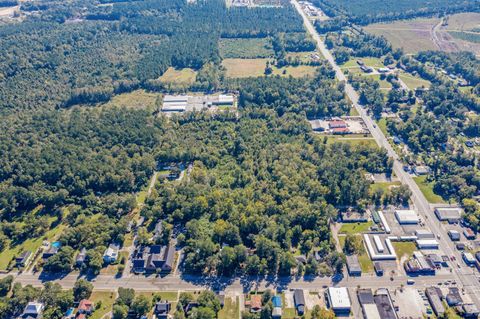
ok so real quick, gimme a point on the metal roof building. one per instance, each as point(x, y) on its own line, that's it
point(299, 299)
point(427, 244)
point(353, 265)
point(434, 295)
point(424, 234)
point(385, 305)
point(175, 103)
point(406, 216)
point(339, 300)
point(452, 214)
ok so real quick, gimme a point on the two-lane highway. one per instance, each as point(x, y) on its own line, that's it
point(464, 274)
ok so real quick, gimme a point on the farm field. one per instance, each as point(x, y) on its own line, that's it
point(417, 34)
point(139, 99)
point(181, 77)
point(242, 68)
point(245, 48)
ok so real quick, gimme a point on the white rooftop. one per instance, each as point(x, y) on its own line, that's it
point(175, 98)
point(406, 216)
point(339, 298)
point(371, 311)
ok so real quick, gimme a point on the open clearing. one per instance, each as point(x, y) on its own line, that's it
point(404, 248)
point(245, 48)
point(242, 68)
point(139, 99)
point(428, 33)
point(413, 82)
point(231, 309)
point(105, 299)
point(427, 190)
point(355, 228)
point(181, 77)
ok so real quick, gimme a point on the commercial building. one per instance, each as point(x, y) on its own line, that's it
point(175, 103)
point(450, 214)
point(384, 304)
point(424, 234)
point(434, 295)
point(406, 217)
point(468, 258)
point(353, 265)
point(381, 250)
point(154, 258)
point(427, 244)
point(453, 297)
point(419, 265)
point(454, 235)
point(367, 302)
point(469, 234)
point(224, 100)
point(384, 222)
point(470, 311)
point(339, 300)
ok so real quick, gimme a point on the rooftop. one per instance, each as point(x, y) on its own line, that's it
point(339, 298)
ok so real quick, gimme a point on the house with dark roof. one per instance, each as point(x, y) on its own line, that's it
point(33, 310)
point(162, 309)
point(154, 258)
point(299, 300)
point(23, 259)
point(53, 250)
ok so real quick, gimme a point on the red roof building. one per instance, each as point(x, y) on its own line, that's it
point(85, 307)
point(340, 130)
point(337, 124)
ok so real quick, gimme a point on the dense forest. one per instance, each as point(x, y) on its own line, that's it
point(365, 12)
point(71, 53)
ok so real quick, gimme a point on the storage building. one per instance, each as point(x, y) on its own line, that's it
point(406, 217)
point(427, 244)
point(339, 300)
point(449, 214)
point(299, 299)
point(424, 234)
point(353, 265)
point(454, 235)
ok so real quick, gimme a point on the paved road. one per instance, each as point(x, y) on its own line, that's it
point(464, 274)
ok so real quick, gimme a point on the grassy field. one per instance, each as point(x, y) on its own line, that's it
point(414, 82)
point(372, 62)
point(385, 186)
point(139, 99)
point(427, 190)
point(383, 83)
point(355, 228)
point(231, 309)
point(404, 248)
point(382, 125)
point(105, 299)
point(242, 68)
point(31, 244)
point(365, 262)
point(295, 71)
point(245, 48)
point(352, 139)
point(179, 77)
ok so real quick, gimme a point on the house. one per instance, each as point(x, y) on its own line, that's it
point(337, 124)
point(33, 310)
point(353, 265)
point(162, 309)
point(339, 300)
point(469, 234)
point(454, 235)
point(111, 254)
point(383, 70)
point(450, 214)
point(80, 259)
point(53, 250)
point(255, 303)
point(277, 307)
point(299, 300)
point(421, 170)
point(23, 259)
point(360, 62)
point(85, 307)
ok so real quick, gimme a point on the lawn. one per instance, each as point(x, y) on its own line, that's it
point(31, 244)
point(413, 82)
point(352, 139)
point(245, 48)
point(382, 125)
point(372, 62)
point(365, 262)
point(427, 190)
point(231, 309)
point(355, 228)
point(383, 83)
point(184, 76)
point(242, 68)
point(404, 248)
point(105, 299)
point(385, 186)
point(139, 99)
